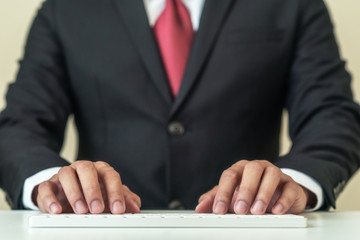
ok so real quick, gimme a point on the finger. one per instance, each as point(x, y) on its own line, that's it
point(46, 198)
point(228, 182)
point(133, 201)
point(206, 201)
point(89, 181)
point(249, 185)
point(269, 182)
point(70, 184)
point(232, 204)
point(133, 195)
point(290, 193)
point(113, 186)
point(209, 193)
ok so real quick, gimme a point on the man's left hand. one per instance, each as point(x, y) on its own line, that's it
point(257, 187)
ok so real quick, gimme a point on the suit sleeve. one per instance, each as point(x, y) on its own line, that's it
point(324, 121)
point(38, 105)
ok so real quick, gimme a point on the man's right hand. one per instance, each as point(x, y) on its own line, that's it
point(84, 187)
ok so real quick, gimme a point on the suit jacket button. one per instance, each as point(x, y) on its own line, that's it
point(176, 129)
point(176, 205)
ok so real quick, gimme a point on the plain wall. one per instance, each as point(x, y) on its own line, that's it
point(16, 17)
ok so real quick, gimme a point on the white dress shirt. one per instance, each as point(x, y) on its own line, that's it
point(153, 9)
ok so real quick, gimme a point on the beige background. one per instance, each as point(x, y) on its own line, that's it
point(16, 16)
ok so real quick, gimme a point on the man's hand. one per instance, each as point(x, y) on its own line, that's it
point(84, 187)
point(256, 187)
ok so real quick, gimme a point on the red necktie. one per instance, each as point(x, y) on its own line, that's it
point(174, 33)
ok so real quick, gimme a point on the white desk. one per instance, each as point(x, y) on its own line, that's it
point(322, 225)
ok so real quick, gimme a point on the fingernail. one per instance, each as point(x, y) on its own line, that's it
point(54, 208)
point(96, 206)
point(259, 207)
point(220, 208)
point(241, 207)
point(278, 208)
point(118, 207)
point(80, 207)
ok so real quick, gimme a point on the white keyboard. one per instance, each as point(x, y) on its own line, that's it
point(162, 219)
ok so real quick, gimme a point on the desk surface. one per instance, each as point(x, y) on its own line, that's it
point(321, 225)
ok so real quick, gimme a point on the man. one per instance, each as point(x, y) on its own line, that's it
point(169, 98)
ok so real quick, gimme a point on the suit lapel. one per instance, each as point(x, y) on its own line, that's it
point(214, 13)
point(136, 22)
point(135, 19)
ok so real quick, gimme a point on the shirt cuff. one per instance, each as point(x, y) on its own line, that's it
point(31, 182)
point(308, 182)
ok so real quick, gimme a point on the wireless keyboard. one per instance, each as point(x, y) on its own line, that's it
point(159, 219)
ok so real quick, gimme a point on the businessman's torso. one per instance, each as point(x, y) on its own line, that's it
point(229, 105)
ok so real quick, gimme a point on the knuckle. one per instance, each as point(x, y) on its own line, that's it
point(274, 171)
point(246, 191)
point(64, 170)
point(265, 195)
point(242, 162)
point(136, 197)
point(85, 166)
point(102, 164)
point(117, 194)
point(230, 173)
point(287, 178)
point(78, 162)
point(265, 162)
point(73, 196)
point(92, 190)
point(126, 188)
point(44, 186)
point(224, 193)
point(223, 196)
point(286, 201)
point(294, 187)
point(255, 165)
point(223, 199)
point(111, 174)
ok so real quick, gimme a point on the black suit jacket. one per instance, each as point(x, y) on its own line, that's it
point(98, 60)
